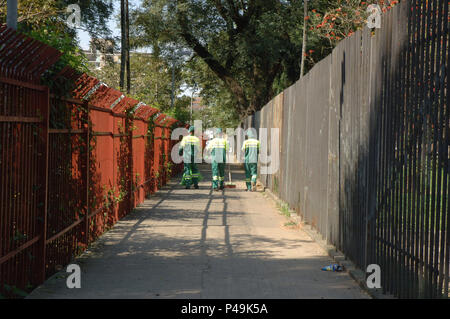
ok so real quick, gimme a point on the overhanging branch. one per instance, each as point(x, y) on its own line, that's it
point(223, 74)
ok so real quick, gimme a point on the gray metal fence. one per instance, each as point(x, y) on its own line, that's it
point(364, 148)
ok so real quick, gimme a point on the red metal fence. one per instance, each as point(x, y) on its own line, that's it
point(70, 167)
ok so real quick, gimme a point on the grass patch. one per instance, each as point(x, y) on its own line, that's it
point(290, 224)
point(284, 209)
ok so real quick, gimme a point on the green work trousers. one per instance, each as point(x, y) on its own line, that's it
point(251, 172)
point(190, 174)
point(218, 174)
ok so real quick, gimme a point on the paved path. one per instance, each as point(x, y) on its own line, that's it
point(204, 244)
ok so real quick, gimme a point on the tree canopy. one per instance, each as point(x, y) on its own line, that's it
point(250, 49)
point(45, 20)
point(151, 79)
point(240, 53)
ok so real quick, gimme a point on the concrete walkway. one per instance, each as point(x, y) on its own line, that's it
point(204, 244)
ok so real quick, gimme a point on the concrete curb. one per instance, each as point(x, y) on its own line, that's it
point(357, 274)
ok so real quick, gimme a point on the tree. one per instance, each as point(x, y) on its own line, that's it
point(217, 98)
point(94, 13)
point(45, 20)
point(343, 18)
point(31, 11)
point(151, 77)
point(245, 44)
point(181, 109)
point(251, 46)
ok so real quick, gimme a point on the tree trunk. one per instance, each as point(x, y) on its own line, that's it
point(304, 37)
point(123, 45)
point(231, 83)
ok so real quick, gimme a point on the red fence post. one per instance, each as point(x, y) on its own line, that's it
point(152, 156)
point(129, 132)
point(86, 109)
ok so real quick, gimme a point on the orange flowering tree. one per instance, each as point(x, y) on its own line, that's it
point(336, 20)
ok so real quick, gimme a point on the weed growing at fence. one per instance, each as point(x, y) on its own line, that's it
point(284, 209)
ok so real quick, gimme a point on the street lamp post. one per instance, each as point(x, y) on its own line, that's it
point(190, 118)
point(11, 14)
point(173, 85)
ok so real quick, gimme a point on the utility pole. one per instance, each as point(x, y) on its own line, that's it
point(305, 8)
point(127, 31)
point(175, 57)
point(173, 85)
point(192, 99)
point(11, 14)
point(125, 46)
point(122, 45)
point(190, 117)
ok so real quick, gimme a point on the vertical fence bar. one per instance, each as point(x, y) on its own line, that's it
point(43, 107)
point(445, 158)
point(88, 128)
point(404, 218)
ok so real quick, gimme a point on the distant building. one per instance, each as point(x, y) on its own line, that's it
point(101, 52)
point(197, 104)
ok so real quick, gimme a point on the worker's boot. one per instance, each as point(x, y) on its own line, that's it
point(196, 186)
point(253, 187)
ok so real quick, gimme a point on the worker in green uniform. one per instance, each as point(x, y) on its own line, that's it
point(218, 148)
point(251, 151)
point(189, 148)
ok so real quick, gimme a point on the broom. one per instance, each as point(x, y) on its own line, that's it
point(230, 183)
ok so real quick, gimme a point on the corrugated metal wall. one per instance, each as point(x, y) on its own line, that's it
point(364, 141)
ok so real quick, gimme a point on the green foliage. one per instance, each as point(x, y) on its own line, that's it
point(94, 15)
point(14, 291)
point(217, 116)
point(31, 12)
point(246, 52)
point(218, 99)
point(290, 224)
point(57, 35)
point(181, 109)
point(249, 48)
point(151, 83)
point(284, 209)
point(44, 20)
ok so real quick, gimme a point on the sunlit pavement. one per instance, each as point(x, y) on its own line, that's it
point(204, 244)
